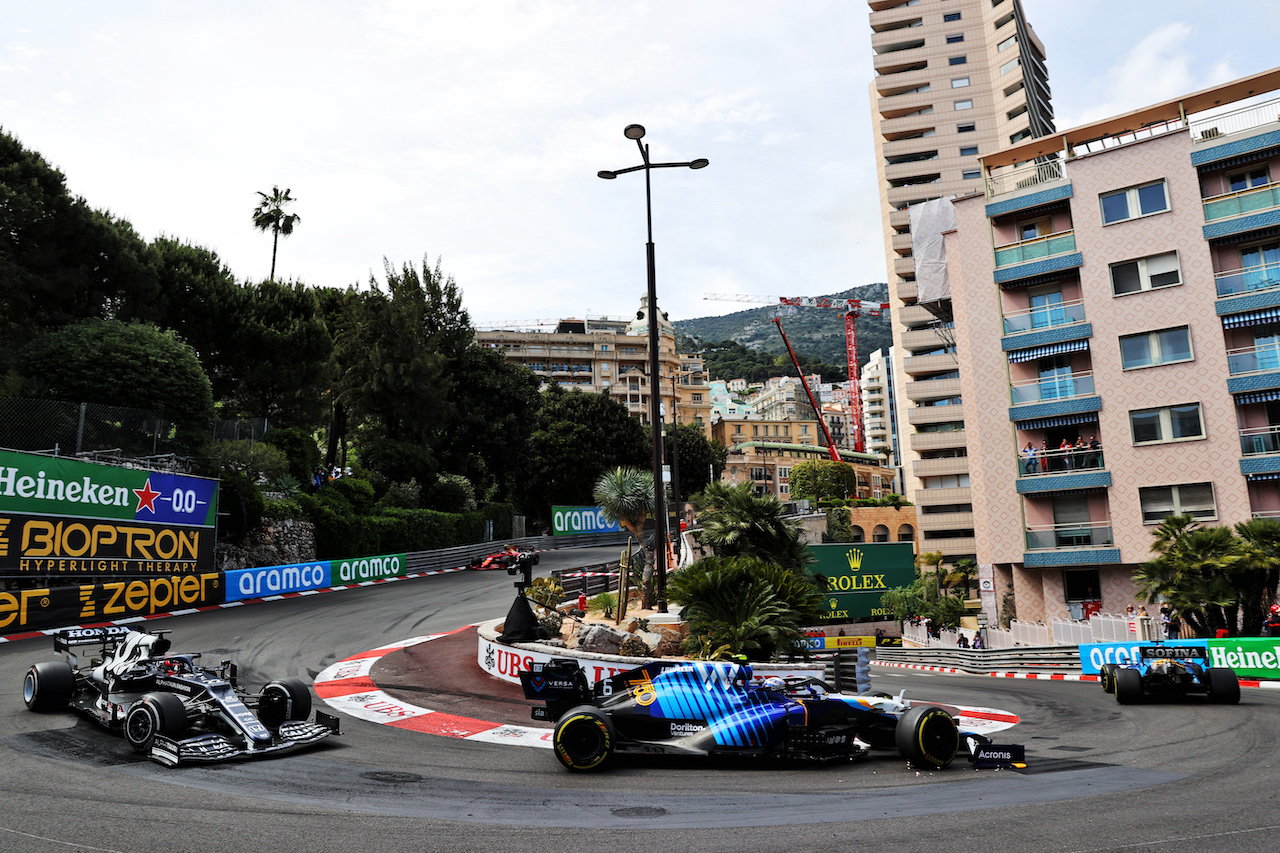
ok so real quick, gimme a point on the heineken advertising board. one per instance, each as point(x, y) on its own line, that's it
point(858, 573)
point(577, 520)
point(66, 517)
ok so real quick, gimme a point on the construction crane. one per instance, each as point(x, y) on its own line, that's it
point(831, 445)
point(853, 309)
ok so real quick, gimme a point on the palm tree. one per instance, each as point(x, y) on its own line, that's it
point(1193, 572)
point(270, 215)
point(625, 495)
point(736, 523)
point(1259, 572)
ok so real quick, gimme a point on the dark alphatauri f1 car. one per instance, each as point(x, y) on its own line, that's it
point(713, 708)
point(166, 705)
point(1161, 670)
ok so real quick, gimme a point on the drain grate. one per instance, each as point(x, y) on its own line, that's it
point(1072, 748)
point(639, 811)
point(389, 776)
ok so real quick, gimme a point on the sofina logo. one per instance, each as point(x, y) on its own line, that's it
point(854, 556)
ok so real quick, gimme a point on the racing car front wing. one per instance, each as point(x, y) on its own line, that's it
point(215, 747)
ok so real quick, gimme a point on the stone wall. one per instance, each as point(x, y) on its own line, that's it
point(273, 543)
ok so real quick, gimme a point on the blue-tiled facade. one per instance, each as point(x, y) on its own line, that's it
point(1042, 337)
point(1071, 557)
point(1055, 408)
point(1031, 269)
point(1247, 302)
point(1260, 465)
point(1028, 201)
point(1083, 479)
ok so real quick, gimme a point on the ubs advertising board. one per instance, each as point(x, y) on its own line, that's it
point(857, 574)
point(71, 518)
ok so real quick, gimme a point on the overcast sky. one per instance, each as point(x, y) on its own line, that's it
point(473, 131)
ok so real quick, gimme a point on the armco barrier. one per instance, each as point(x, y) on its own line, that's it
point(982, 661)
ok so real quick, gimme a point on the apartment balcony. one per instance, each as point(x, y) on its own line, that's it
point(950, 520)
point(1238, 213)
point(909, 101)
point(924, 415)
point(1255, 368)
point(896, 42)
point(1260, 451)
point(904, 266)
point(899, 219)
point(940, 497)
point(1050, 324)
point(1060, 470)
point(924, 441)
point(1245, 282)
point(1038, 256)
point(932, 389)
point(905, 291)
point(1054, 396)
point(917, 364)
point(920, 339)
point(946, 467)
point(1085, 544)
point(900, 242)
point(1229, 135)
point(951, 545)
point(1033, 182)
point(914, 316)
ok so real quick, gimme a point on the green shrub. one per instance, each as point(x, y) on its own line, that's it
point(605, 603)
point(401, 496)
point(281, 509)
point(451, 493)
point(358, 492)
point(299, 448)
point(398, 461)
point(240, 499)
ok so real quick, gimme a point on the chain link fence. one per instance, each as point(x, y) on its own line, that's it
point(112, 434)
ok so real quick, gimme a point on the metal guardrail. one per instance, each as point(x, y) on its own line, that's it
point(983, 661)
point(452, 558)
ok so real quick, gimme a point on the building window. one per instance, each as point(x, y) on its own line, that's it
point(1133, 202)
point(1170, 423)
point(1145, 274)
point(951, 16)
point(1153, 348)
point(737, 428)
point(953, 39)
point(959, 82)
point(880, 533)
point(804, 429)
point(1010, 65)
point(1033, 228)
point(964, 105)
point(1006, 44)
point(1025, 133)
point(755, 430)
point(969, 151)
point(697, 398)
point(1193, 499)
point(971, 174)
point(966, 128)
point(957, 60)
point(1248, 180)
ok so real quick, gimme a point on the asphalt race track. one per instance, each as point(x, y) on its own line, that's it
point(1156, 777)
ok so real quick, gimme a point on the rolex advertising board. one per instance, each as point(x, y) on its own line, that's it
point(71, 518)
point(858, 573)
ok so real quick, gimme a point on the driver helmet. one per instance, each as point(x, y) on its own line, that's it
point(1275, 610)
point(773, 682)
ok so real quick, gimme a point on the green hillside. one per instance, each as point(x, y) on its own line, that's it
point(817, 334)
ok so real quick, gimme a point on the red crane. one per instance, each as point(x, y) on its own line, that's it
point(853, 309)
point(831, 445)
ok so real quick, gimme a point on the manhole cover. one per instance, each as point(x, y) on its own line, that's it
point(1072, 748)
point(388, 776)
point(639, 811)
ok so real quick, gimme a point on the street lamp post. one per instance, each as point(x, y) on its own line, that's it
point(636, 132)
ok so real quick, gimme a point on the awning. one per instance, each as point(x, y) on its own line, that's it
point(1275, 475)
point(1251, 318)
point(1238, 160)
point(1032, 354)
point(1258, 397)
point(1065, 420)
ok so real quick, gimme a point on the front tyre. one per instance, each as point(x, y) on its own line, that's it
point(48, 685)
point(1223, 684)
point(927, 737)
point(583, 739)
point(284, 699)
point(154, 714)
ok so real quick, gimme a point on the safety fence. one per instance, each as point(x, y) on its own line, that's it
point(1099, 628)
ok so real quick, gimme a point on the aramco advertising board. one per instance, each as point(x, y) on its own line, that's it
point(858, 573)
point(66, 517)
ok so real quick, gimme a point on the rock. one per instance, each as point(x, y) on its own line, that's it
point(669, 645)
point(600, 639)
point(651, 639)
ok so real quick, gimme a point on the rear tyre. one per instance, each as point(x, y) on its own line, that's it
point(927, 737)
point(583, 739)
point(154, 714)
point(284, 699)
point(1224, 685)
point(48, 685)
point(1108, 678)
point(1128, 686)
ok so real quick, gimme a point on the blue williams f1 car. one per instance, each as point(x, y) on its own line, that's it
point(713, 708)
point(166, 705)
point(1161, 670)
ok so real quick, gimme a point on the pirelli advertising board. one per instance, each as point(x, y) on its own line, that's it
point(858, 573)
point(62, 517)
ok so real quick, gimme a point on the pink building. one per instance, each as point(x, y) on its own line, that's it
point(1117, 292)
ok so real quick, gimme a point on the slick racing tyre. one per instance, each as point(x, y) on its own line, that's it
point(48, 685)
point(154, 714)
point(1224, 685)
point(1108, 677)
point(583, 739)
point(927, 737)
point(284, 699)
point(1128, 686)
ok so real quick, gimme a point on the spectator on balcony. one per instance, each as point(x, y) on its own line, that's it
point(1095, 454)
point(1044, 456)
point(1030, 463)
point(1065, 450)
point(1080, 454)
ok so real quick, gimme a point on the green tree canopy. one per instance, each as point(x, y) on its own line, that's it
point(701, 460)
point(822, 480)
point(736, 523)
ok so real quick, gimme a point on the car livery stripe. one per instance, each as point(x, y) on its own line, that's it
point(347, 686)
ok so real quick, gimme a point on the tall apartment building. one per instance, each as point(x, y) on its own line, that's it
point(879, 418)
point(955, 80)
point(1116, 295)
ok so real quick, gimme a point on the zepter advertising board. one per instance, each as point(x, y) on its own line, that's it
point(66, 518)
point(858, 573)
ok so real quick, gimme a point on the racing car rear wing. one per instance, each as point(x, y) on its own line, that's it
point(64, 641)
